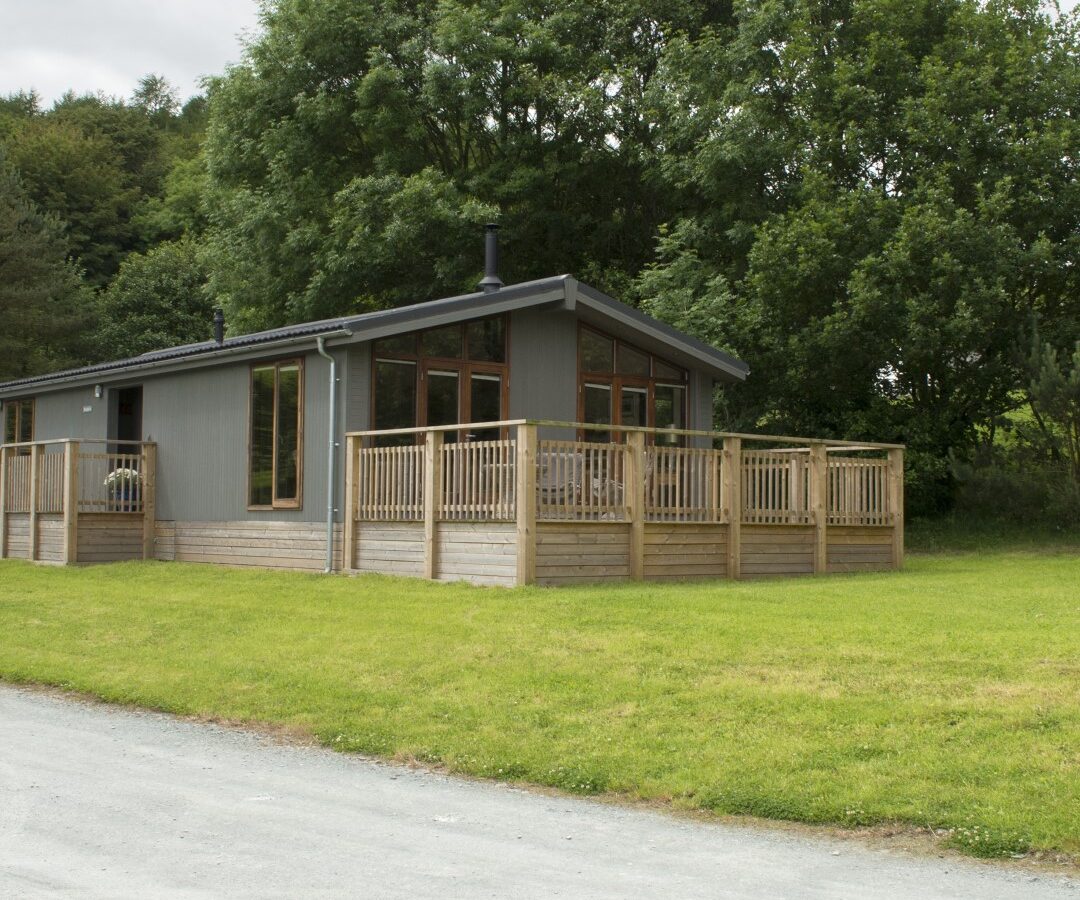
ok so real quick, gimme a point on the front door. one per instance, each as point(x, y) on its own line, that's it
point(125, 419)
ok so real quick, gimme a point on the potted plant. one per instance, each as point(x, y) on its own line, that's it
point(122, 486)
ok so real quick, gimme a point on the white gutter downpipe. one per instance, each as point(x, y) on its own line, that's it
point(331, 454)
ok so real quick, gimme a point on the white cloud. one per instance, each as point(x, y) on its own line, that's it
point(107, 45)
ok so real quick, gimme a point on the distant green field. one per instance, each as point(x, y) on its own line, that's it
point(945, 695)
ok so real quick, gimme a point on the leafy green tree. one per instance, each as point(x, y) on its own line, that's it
point(79, 178)
point(156, 98)
point(1055, 391)
point(875, 198)
point(158, 299)
point(537, 110)
point(44, 305)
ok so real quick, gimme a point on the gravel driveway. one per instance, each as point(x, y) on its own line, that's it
point(103, 802)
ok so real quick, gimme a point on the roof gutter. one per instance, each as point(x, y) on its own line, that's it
point(331, 451)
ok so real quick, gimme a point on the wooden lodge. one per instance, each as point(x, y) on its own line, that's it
point(541, 432)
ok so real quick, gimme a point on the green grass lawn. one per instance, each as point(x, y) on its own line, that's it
point(947, 695)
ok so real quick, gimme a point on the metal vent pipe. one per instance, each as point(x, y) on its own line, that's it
point(491, 281)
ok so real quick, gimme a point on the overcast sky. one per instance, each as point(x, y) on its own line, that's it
point(107, 45)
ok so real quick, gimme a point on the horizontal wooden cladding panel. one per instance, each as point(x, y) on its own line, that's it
point(751, 571)
point(860, 558)
point(582, 552)
point(51, 539)
point(686, 559)
point(658, 543)
point(18, 536)
point(686, 573)
point(866, 564)
point(860, 551)
point(775, 550)
point(847, 534)
point(109, 537)
point(389, 548)
point(583, 559)
point(272, 545)
point(778, 534)
point(564, 580)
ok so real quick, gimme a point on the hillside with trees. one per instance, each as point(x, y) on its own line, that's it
point(875, 204)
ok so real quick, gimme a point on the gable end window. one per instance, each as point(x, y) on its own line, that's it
point(620, 384)
point(441, 376)
point(18, 421)
point(275, 458)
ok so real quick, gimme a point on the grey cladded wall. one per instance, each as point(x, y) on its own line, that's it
point(60, 415)
point(199, 420)
point(543, 365)
point(358, 406)
point(199, 417)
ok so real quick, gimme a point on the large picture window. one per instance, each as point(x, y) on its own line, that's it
point(441, 376)
point(620, 384)
point(18, 421)
point(275, 475)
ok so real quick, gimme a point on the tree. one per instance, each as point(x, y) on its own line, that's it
point(1055, 391)
point(876, 196)
point(44, 304)
point(536, 110)
point(156, 97)
point(158, 299)
point(79, 178)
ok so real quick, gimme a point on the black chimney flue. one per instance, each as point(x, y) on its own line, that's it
point(491, 281)
point(219, 325)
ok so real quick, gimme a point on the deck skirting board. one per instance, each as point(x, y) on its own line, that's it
point(854, 548)
point(478, 552)
point(273, 545)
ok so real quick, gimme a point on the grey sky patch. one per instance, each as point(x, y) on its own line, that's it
point(108, 45)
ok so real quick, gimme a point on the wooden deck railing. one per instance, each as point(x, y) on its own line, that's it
point(67, 478)
point(710, 477)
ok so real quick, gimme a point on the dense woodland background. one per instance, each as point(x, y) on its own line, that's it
point(873, 202)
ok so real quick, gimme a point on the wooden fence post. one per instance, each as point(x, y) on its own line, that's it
point(819, 479)
point(348, 537)
point(3, 501)
point(149, 498)
point(896, 505)
point(71, 502)
point(634, 487)
point(432, 494)
point(525, 491)
point(35, 487)
point(732, 477)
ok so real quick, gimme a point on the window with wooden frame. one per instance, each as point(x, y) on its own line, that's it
point(441, 376)
point(620, 384)
point(18, 421)
point(276, 442)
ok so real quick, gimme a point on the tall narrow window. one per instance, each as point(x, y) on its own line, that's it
point(442, 397)
point(277, 434)
point(597, 410)
point(18, 421)
point(395, 399)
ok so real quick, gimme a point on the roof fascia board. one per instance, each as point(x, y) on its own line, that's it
point(463, 313)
